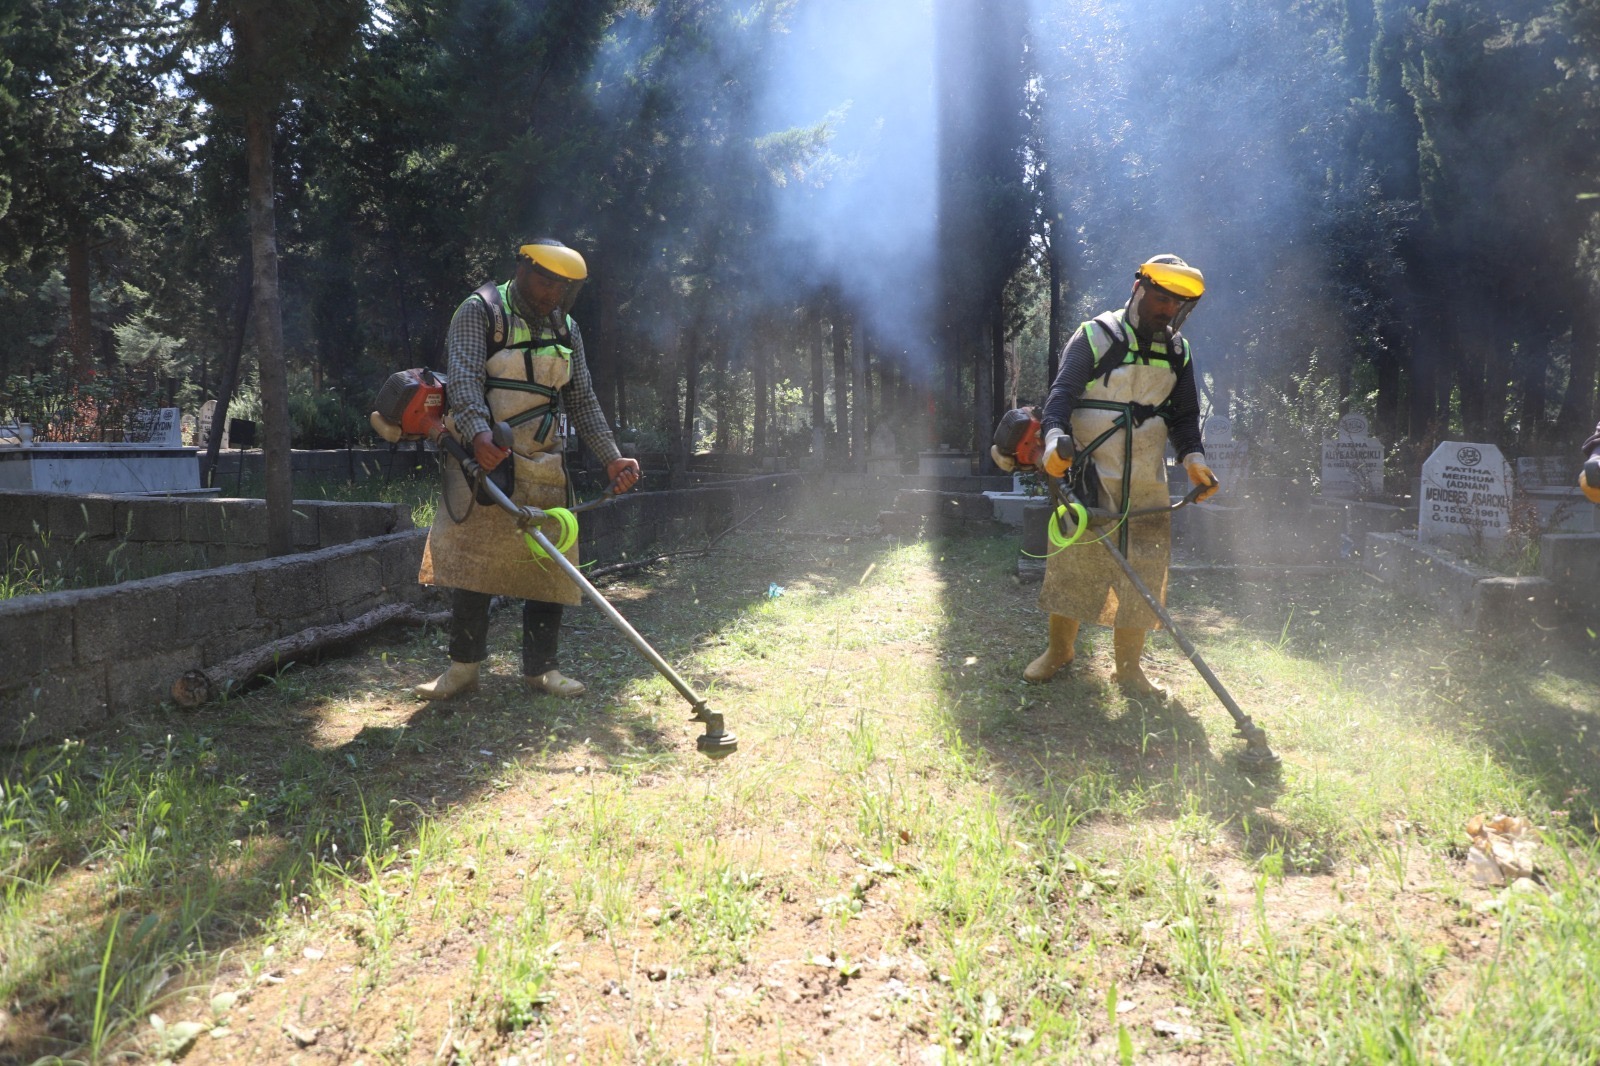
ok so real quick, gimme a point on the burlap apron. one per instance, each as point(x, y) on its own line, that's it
point(484, 552)
point(1083, 581)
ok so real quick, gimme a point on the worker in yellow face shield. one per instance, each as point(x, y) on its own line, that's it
point(1126, 387)
point(514, 356)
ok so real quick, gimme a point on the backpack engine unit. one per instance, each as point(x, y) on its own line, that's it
point(410, 406)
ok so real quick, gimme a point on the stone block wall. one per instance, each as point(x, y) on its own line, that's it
point(632, 524)
point(349, 464)
point(77, 658)
point(104, 539)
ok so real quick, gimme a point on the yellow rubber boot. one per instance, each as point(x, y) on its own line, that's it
point(1063, 632)
point(556, 683)
point(1127, 645)
point(461, 677)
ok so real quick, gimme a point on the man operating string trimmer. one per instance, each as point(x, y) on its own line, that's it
point(1126, 381)
point(514, 356)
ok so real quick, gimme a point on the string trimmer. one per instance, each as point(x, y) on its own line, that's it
point(1257, 754)
point(412, 405)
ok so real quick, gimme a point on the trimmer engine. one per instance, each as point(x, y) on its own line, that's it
point(1018, 437)
point(410, 405)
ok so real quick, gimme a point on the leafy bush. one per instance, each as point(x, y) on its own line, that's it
point(320, 418)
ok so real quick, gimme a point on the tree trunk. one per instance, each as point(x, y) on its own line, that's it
point(890, 411)
point(841, 381)
point(1388, 367)
point(667, 396)
point(230, 369)
point(1532, 375)
point(985, 395)
point(599, 347)
point(859, 392)
point(1577, 403)
point(1056, 343)
point(691, 400)
point(722, 385)
point(80, 322)
point(999, 375)
point(1496, 381)
point(819, 385)
point(763, 391)
point(275, 443)
point(623, 338)
point(402, 305)
point(1473, 369)
point(1422, 379)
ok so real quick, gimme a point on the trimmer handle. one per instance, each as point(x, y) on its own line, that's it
point(447, 440)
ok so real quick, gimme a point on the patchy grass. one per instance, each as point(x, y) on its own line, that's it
point(402, 485)
point(913, 855)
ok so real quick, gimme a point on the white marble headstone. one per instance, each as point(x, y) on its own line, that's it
point(1228, 458)
point(1352, 462)
point(156, 427)
point(1466, 492)
point(208, 413)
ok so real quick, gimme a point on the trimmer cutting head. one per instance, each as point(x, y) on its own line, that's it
point(715, 742)
point(1257, 754)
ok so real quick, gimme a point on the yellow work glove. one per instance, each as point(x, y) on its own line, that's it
point(1589, 479)
point(1058, 451)
point(1200, 474)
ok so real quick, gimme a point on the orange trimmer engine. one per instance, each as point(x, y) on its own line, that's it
point(410, 405)
point(1019, 437)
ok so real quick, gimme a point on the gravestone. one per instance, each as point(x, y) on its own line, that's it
point(1550, 484)
point(1547, 471)
point(883, 456)
point(1466, 492)
point(208, 414)
point(1228, 458)
point(945, 462)
point(157, 427)
point(1352, 462)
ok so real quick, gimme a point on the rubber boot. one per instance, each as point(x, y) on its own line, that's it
point(1127, 645)
point(556, 683)
point(1063, 632)
point(461, 677)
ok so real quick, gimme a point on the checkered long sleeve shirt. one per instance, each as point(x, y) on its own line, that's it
point(466, 351)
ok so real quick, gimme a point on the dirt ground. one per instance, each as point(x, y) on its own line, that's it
point(333, 987)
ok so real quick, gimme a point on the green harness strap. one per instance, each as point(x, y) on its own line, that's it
point(1125, 420)
point(545, 412)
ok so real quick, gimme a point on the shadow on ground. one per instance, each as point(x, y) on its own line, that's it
point(337, 762)
point(1159, 756)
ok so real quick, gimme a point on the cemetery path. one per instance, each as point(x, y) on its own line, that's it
point(912, 855)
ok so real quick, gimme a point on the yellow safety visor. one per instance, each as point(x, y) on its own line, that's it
point(1184, 282)
point(556, 260)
